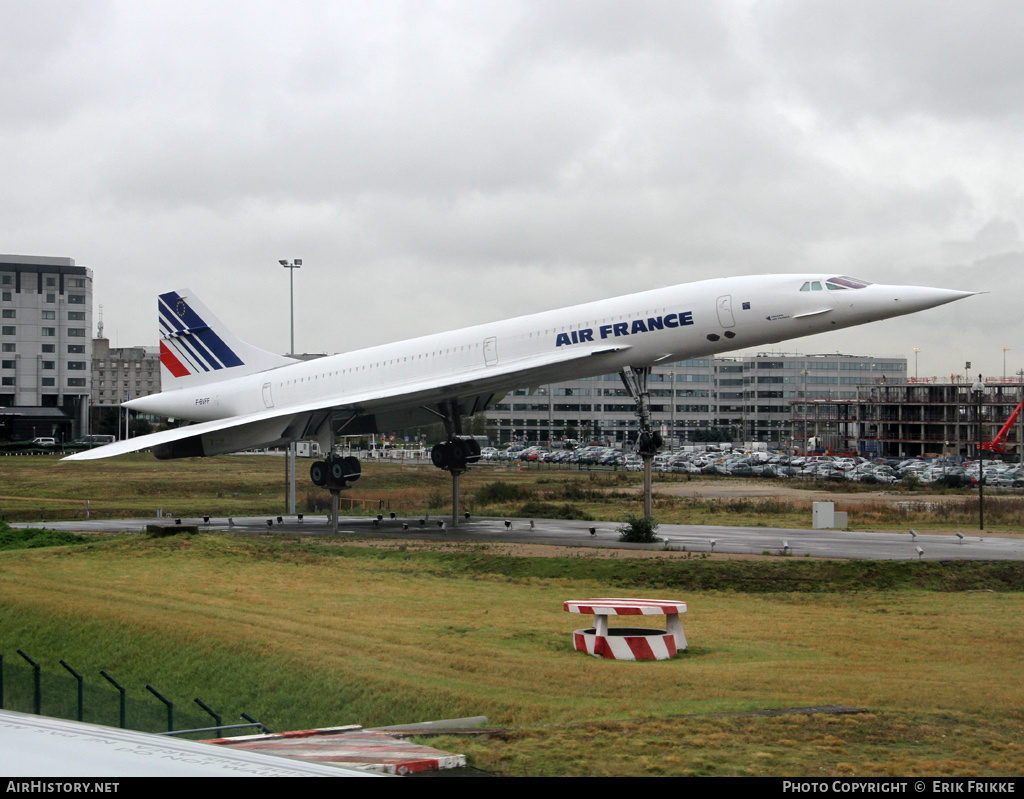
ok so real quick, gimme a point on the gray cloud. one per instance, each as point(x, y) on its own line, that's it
point(444, 163)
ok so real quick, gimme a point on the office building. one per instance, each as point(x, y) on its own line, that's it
point(123, 373)
point(739, 398)
point(45, 347)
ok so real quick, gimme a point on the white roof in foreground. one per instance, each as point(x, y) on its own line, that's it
point(39, 746)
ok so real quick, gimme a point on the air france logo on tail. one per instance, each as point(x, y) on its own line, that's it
point(188, 345)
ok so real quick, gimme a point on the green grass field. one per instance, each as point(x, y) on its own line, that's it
point(305, 634)
point(316, 633)
point(44, 487)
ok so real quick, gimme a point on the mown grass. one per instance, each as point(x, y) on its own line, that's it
point(304, 634)
point(314, 633)
point(938, 744)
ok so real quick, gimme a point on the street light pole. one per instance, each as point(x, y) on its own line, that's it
point(1020, 435)
point(979, 392)
point(291, 267)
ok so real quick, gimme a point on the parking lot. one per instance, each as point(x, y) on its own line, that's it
point(952, 473)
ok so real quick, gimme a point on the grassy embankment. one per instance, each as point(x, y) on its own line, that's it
point(138, 485)
point(307, 633)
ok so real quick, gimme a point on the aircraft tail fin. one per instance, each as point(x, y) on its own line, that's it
point(197, 348)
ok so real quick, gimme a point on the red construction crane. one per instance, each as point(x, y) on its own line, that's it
point(998, 444)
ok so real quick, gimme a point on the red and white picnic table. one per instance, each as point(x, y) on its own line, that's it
point(629, 643)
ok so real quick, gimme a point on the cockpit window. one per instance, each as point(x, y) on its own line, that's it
point(842, 283)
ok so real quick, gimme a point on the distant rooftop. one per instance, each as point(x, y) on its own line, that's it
point(36, 260)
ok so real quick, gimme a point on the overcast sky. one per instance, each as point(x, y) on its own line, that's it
point(439, 164)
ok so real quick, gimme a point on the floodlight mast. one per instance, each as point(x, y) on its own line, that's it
point(291, 267)
point(978, 390)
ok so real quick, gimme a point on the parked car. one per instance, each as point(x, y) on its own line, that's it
point(97, 440)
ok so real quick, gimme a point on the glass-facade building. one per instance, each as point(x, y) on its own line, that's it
point(747, 398)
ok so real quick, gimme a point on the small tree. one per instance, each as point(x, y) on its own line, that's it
point(638, 530)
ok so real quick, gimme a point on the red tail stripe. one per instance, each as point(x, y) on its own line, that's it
point(170, 360)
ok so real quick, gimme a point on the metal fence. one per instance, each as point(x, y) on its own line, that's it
point(27, 688)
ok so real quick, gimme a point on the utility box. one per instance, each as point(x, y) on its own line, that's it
point(826, 517)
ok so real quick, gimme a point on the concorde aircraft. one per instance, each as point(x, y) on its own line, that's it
point(241, 397)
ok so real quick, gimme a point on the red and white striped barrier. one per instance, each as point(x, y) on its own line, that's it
point(629, 643)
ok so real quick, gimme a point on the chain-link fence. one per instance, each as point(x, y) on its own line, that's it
point(28, 688)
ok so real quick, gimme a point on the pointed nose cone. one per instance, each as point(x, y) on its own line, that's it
point(909, 299)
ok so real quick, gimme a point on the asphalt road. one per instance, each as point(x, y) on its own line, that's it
point(692, 538)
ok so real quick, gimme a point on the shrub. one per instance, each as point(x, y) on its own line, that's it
point(318, 502)
point(438, 499)
point(11, 538)
point(548, 510)
point(499, 493)
point(638, 530)
point(910, 481)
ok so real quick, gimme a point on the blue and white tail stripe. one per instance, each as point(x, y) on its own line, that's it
point(190, 339)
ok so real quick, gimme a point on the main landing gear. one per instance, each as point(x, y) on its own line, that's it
point(649, 440)
point(336, 472)
point(456, 453)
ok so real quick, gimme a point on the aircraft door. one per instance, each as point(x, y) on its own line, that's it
point(268, 398)
point(725, 317)
point(490, 351)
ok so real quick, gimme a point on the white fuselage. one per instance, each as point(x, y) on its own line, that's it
point(642, 329)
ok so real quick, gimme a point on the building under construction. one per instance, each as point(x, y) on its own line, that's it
point(912, 418)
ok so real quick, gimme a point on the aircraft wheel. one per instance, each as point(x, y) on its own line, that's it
point(443, 455)
point(459, 456)
point(470, 450)
point(337, 472)
point(351, 468)
point(318, 473)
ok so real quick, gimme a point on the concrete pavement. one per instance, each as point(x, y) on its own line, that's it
point(841, 544)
